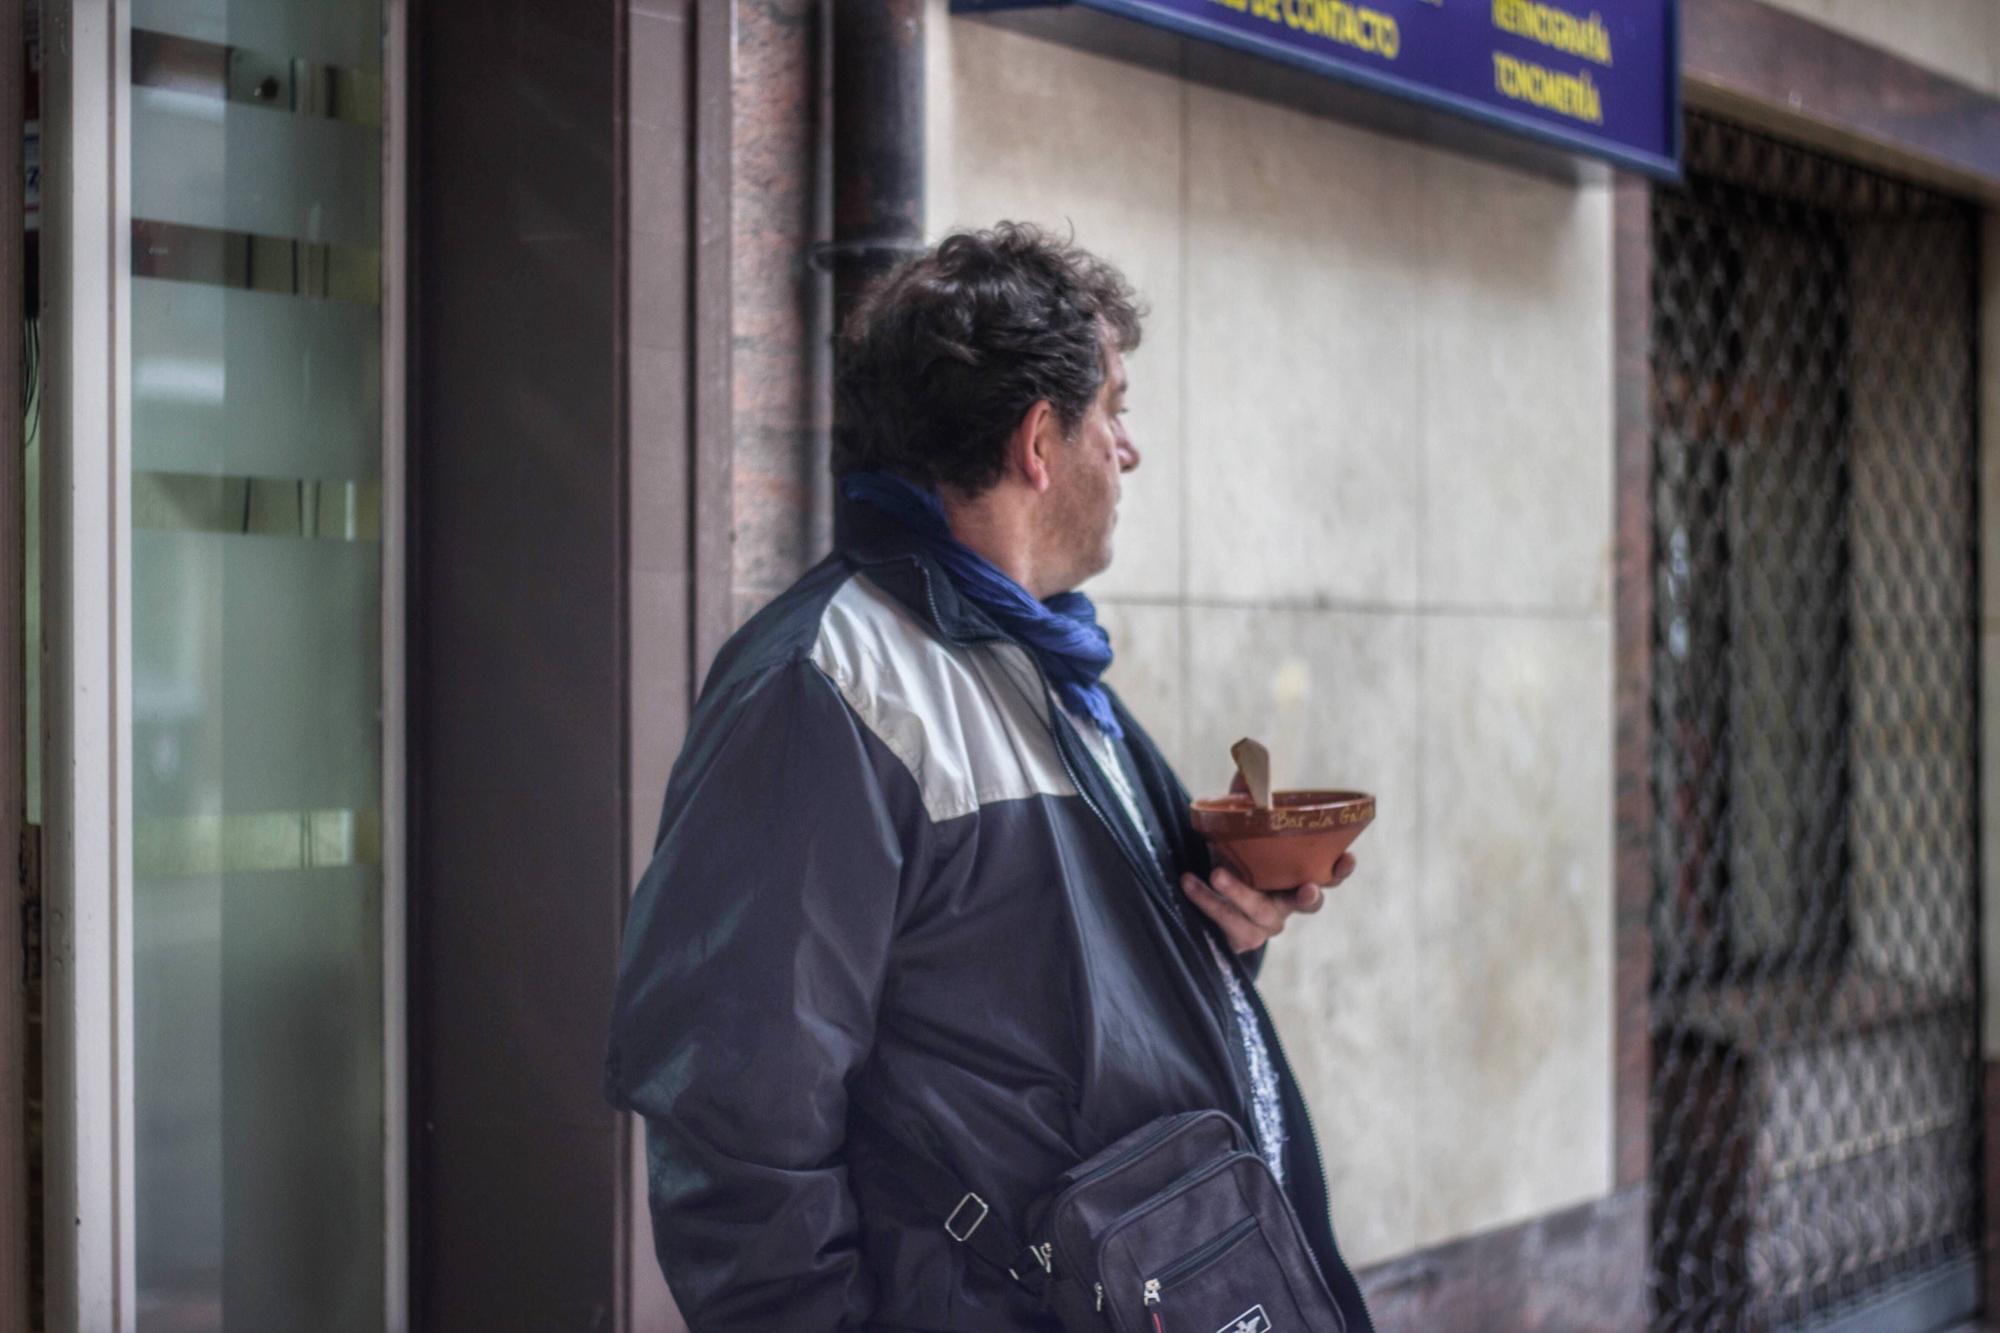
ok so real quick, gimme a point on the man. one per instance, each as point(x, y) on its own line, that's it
point(926, 924)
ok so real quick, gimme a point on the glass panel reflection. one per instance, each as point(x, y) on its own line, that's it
point(257, 688)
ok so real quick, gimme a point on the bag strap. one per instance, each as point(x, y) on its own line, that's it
point(969, 1219)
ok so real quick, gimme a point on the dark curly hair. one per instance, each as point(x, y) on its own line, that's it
point(947, 352)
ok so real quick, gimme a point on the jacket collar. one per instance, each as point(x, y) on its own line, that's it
point(891, 558)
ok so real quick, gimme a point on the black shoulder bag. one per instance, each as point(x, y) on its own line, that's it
point(1179, 1227)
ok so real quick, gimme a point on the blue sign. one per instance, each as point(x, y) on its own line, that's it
point(1602, 79)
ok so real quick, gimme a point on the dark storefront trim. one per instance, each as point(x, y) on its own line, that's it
point(517, 685)
point(658, 159)
point(1774, 70)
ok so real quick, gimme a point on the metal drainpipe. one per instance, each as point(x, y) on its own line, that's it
point(877, 148)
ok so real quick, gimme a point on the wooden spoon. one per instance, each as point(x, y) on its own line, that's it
point(1253, 761)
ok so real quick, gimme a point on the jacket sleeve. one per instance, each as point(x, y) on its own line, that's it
point(753, 966)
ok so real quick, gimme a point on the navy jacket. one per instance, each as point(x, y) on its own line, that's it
point(893, 907)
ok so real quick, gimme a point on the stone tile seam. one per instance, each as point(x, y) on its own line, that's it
point(1417, 1071)
point(1420, 188)
point(1184, 573)
point(1339, 606)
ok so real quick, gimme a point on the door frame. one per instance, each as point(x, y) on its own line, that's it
point(86, 602)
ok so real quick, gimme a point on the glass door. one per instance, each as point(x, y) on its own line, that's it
point(256, 663)
point(237, 919)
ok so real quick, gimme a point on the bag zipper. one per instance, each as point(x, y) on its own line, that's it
point(1099, 1172)
point(1204, 1255)
point(1175, 1190)
point(1150, 1294)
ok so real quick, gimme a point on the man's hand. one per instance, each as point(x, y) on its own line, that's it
point(1251, 918)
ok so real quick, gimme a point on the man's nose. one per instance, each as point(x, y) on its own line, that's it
point(1128, 453)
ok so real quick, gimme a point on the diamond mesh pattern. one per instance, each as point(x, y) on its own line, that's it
point(1815, 992)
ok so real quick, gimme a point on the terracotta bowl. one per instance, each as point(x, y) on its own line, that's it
point(1295, 842)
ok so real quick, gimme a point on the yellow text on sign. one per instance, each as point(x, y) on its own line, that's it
point(1555, 28)
point(1355, 26)
point(1572, 95)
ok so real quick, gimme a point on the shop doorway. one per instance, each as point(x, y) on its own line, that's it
point(1815, 1002)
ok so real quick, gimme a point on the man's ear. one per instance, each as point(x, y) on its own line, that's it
point(1031, 446)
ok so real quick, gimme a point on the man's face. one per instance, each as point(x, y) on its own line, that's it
point(1084, 481)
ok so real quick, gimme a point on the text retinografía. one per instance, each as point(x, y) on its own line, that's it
point(1555, 28)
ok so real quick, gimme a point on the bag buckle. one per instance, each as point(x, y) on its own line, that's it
point(962, 1236)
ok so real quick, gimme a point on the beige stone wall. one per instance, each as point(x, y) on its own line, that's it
point(1372, 527)
point(1960, 38)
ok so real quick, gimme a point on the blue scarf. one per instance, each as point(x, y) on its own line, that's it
point(1062, 632)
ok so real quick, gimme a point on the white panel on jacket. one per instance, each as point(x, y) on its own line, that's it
point(971, 724)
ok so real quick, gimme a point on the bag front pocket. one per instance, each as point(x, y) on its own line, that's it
point(1233, 1284)
point(1204, 1258)
point(1094, 1195)
point(1191, 1267)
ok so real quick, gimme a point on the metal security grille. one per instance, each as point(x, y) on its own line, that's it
point(1814, 1103)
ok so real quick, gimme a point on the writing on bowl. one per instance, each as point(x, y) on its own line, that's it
point(1339, 817)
